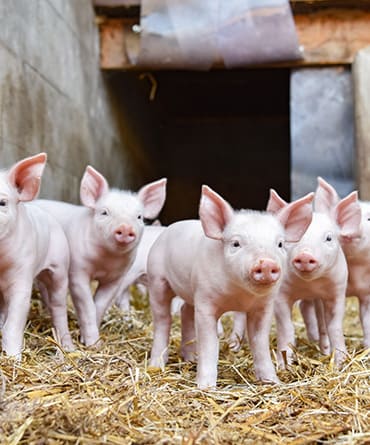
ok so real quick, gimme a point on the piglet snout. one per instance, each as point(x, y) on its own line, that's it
point(124, 234)
point(305, 262)
point(266, 271)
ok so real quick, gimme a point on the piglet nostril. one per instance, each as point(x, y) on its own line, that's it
point(124, 234)
point(266, 272)
point(305, 262)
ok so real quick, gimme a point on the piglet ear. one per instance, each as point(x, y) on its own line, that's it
point(348, 216)
point(153, 196)
point(214, 212)
point(25, 176)
point(296, 217)
point(93, 186)
point(275, 203)
point(326, 198)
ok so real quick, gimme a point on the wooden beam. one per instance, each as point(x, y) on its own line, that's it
point(361, 76)
point(329, 37)
point(307, 6)
point(115, 3)
point(114, 37)
point(313, 4)
point(332, 36)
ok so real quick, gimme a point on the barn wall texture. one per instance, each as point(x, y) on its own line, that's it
point(53, 96)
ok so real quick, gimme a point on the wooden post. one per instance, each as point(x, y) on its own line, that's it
point(361, 76)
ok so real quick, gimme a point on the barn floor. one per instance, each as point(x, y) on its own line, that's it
point(109, 396)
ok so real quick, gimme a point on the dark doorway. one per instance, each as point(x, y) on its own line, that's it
point(227, 129)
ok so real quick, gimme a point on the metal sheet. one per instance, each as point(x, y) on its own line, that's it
point(322, 129)
point(252, 31)
point(197, 34)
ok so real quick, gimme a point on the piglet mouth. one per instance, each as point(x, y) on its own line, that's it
point(306, 275)
point(261, 289)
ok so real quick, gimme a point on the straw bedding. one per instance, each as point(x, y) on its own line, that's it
point(108, 395)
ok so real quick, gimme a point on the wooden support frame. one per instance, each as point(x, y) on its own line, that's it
point(329, 36)
point(114, 37)
point(361, 82)
point(297, 5)
point(332, 36)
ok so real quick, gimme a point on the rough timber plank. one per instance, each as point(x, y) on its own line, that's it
point(361, 75)
point(329, 37)
point(333, 36)
point(114, 34)
point(116, 3)
point(306, 6)
point(294, 3)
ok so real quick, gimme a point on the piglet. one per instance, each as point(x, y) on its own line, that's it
point(229, 260)
point(356, 246)
point(103, 235)
point(137, 272)
point(318, 272)
point(357, 252)
point(32, 246)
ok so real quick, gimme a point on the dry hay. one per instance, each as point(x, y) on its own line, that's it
point(109, 396)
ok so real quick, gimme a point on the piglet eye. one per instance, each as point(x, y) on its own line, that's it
point(280, 245)
point(328, 238)
point(3, 202)
point(104, 213)
point(236, 243)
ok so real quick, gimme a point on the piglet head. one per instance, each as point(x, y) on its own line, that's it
point(118, 215)
point(21, 183)
point(347, 213)
point(359, 247)
point(253, 242)
point(333, 222)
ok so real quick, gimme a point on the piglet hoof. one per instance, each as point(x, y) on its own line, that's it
point(16, 356)
point(325, 345)
point(206, 385)
point(93, 343)
point(284, 359)
point(189, 355)
point(340, 358)
point(235, 343)
point(68, 345)
point(157, 363)
point(268, 378)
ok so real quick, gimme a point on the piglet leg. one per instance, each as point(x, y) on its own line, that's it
point(160, 301)
point(334, 313)
point(18, 298)
point(258, 326)
point(188, 343)
point(207, 347)
point(85, 308)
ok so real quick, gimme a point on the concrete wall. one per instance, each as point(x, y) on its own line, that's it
point(53, 96)
point(322, 129)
